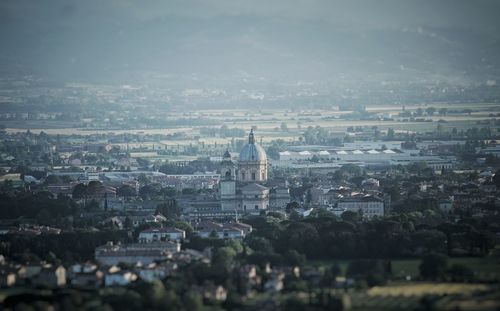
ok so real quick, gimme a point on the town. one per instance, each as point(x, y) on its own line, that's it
point(323, 213)
point(264, 155)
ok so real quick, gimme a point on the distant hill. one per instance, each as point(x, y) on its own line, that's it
point(69, 46)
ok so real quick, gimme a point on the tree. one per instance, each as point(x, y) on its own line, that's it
point(302, 237)
point(390, 133)
point(350, 216)
point(126, 191)
point(284, 127)
point(170, 210)
point(258, 243)
point(417, 167)
point(187, 191)
point(294, 303)
point(430, 110)
point(351, 169)
point(80, 191)
point(292, 206)
point(53, 180)
point(94, 188)
point(168, 192)
point(308, 196)
point(315, 159)
point(143, 179)
point(467, 111)
point(149, 191)
point(44, 217)
point(128, 223)
point(192, 301)
point(433, 266)
point(294, 258)
point(460, 273)
point(370, 270)
point(496, 178)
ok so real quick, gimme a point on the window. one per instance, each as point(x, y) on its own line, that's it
point(256, 207)
point(253, 176)
point(228, 174)
point(263, 176)
point(243, 175)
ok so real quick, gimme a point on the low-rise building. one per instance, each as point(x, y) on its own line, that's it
point(50, 276)
point(369, 206)
point(145, 253)
point(116, 277)
point(234, 230)
point(161, 234)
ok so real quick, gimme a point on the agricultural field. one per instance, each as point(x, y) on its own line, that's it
point(268, 122)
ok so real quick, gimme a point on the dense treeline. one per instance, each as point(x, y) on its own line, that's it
point(328, 237)
point(39, 205)
point(68, 247)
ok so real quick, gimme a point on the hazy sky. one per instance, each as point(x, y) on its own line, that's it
point(68, 37)
point(475, 14)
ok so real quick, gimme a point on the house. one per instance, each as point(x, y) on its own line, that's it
point(7, 229)
point(7, 277)
point(85, 275)
point(445, 205)
point(212, 292)
point(303, 212)
point(234, 230)
point(145, 253)
point(369, 206)
point(87, 279)
point(279, 197)
point(249, 279)
point(275, 282)
point(188, 255)
point(50, 276)
point(29, 271)
point(116, 277)
point(156, 271)
point(370, 184)
point(161, 234)
point(138, 217)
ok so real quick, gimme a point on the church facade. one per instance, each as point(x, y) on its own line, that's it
point(241, 185)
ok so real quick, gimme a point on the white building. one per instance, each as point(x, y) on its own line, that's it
point(161, 234)
point(236, 230)
point(368, 206)
point(112, 254)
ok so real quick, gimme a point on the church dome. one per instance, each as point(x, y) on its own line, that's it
point(252, 151)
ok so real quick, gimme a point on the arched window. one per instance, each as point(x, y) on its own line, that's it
point(228, 173)
point(253, 175)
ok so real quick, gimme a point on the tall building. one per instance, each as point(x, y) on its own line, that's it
point(241, 186)
point(252, 162)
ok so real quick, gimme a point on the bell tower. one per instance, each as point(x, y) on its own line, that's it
point(228, 183)
point(227, 169)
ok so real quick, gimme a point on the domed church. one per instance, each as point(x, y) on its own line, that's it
point(240, 185)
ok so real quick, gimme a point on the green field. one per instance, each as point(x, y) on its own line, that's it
point(484, 268)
